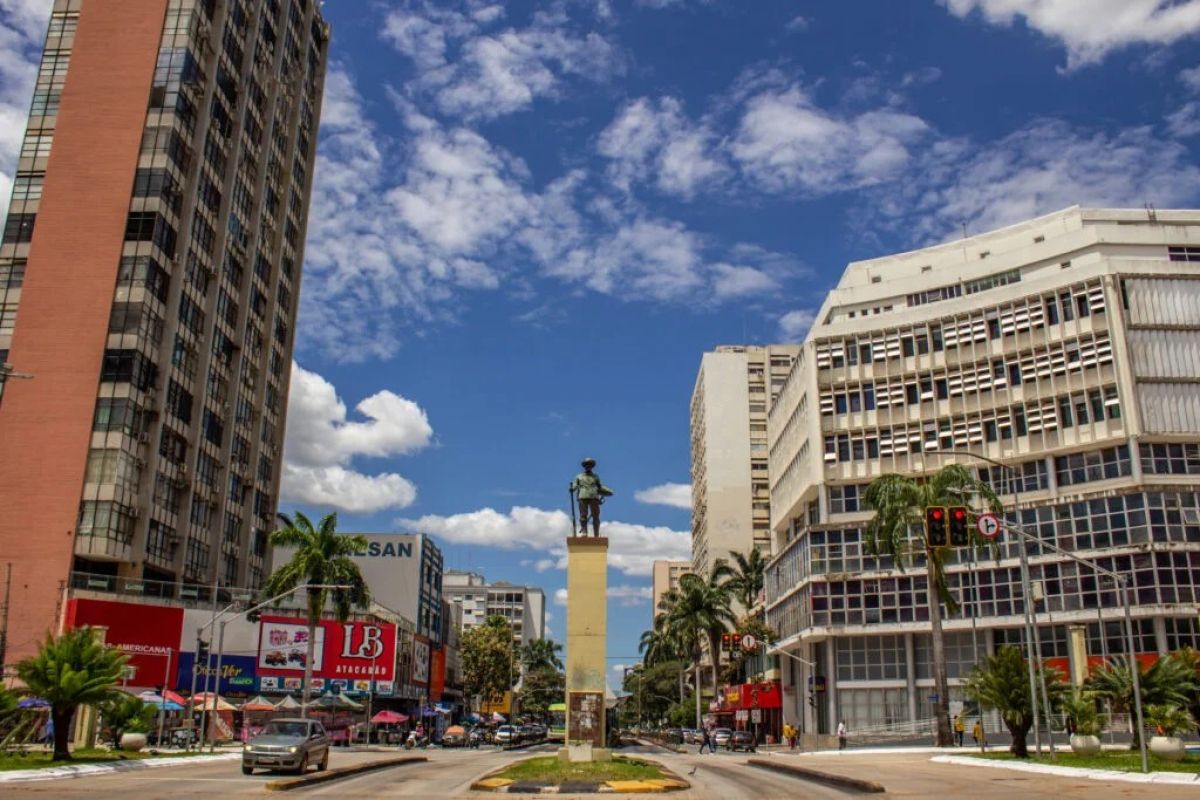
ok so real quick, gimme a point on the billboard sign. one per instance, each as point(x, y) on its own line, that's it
point(343, 651)
point(148, 634)
point(420, 664)
point(238, 674)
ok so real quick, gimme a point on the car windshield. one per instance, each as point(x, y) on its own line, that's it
point(299, 729)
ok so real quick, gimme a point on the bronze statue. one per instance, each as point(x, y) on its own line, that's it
point(590, 492)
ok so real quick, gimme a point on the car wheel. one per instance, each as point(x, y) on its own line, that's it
point(247, 770)
point(324, 762)
point(303, 768)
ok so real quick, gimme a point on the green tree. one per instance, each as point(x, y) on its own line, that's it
point(542, 687)
point(1191, 657)
point(1169, 681)
point(652, 688)
point(1080, 706)
point(680, 714)
point(1001, 682)
point(541, 654)
point(744, 578)
point(661, 644)
point(1167, 720)
point(897, 530)
point(487, 659)
point(71, 670)
point(698, 610)
point(125, 713)
point(320, 557)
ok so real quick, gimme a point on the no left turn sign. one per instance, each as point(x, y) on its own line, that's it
point(988, 526)
point(749, 642)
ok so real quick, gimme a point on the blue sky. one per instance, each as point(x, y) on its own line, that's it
point(530, 220)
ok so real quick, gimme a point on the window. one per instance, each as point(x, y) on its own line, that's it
point(37, 143)
point(106, 520)
point(8, 318)
point(172, 446)
point(179, 402)
point(1093, 465)
point(1183, 253)
point(144, 271)
point(28, 186)
point(117, 414)
point(213, 427)
point(128, 366)
point(845, 499)
point(18, 228)
point(1171, 459)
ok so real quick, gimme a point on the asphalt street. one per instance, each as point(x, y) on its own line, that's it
point(450, 773)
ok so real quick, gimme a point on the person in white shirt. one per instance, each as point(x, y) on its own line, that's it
point(841, 734)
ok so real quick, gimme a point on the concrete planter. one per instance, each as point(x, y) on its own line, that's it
point(1084, 745)
point(1168, 748)
point(133, 742)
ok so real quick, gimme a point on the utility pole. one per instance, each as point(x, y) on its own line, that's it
point(4, 617)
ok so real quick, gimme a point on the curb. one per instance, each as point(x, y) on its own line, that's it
point(828, 778)
point(668, 747)
point(669, 783)
point(1179, 778)
point(287, 784)
point(68, 772)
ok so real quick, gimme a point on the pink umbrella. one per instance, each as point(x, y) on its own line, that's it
point(388, 717)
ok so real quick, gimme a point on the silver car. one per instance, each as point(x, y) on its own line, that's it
point(721, 737)
point(288, 744)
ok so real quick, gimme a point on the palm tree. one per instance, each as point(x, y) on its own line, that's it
point(541, 654)
point(745, 578)
point(1002, 682)
point(897, 531)
point(71, 670)
point(1169, 681)
point(699, 608)
point(322, 558)
point(661, 645)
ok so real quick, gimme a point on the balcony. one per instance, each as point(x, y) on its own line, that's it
point(104, 547)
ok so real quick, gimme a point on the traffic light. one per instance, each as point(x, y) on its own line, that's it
point(935, 526)
point(201, 650)
point(725, 642)
point(959, 537)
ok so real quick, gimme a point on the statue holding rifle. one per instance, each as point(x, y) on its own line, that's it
point(589, 491)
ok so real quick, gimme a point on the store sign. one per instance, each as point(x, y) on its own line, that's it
point(343, 651)
point(237, 674)
point(420, 666)
point(148, 634)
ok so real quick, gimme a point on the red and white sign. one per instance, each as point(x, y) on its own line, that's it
point(749, 642)
point(988, 526)
point(148, 634)
point(343, 650)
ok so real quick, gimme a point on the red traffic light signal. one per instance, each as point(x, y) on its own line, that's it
point(935, 526)
point(959, 535)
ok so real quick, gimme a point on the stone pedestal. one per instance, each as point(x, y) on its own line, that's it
point(587, 634)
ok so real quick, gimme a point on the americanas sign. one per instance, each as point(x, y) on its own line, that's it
point(342, 650)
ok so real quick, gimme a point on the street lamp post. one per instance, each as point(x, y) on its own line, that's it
point(779, 651)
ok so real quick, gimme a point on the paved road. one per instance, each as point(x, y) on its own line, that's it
point(450, 773)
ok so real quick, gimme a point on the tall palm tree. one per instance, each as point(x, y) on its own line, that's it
point(661, 645)
point(541, 654)
point(322, 557)
point(699, 608)
point(897, 530)
point(71, 670)
point(745, 578)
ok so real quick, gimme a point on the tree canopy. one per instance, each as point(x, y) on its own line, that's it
point(488, 659)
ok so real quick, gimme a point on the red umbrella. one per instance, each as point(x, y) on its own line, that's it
point(388, 717)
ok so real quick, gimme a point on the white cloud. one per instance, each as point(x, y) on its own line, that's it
point(739, 281)
point(22, 31)
point(786, 143)
point(632, 548)
point(540, 565)
point(473, 70)
point(628, 595)
point(560, 597)
point(1091, 29)
point(1190, 78)
point(1184, 122)
point(1043, 167)
point(321, 443)
point(797, 24)
point(794, 325)
point(655, 139)
point(676, 495)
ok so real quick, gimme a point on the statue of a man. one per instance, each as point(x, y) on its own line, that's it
point(588, 489)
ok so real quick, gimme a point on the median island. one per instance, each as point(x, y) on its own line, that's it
point(619, 774)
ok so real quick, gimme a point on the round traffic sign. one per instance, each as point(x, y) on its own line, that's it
point(748, 641)
point(988, 526)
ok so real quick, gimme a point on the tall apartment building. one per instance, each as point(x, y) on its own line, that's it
point(731, 503)
point(523, 606)
point(149, 278)
point(665, 577)
point(1068, 347)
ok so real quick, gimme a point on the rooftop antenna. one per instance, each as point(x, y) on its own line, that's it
point(963, 225)
point(1151, 213)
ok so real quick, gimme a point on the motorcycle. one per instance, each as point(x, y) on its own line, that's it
point(474, 740)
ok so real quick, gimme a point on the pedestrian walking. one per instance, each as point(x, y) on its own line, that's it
point(841, 734)
point(978, 735)
point(706, 741)
point(960, 728)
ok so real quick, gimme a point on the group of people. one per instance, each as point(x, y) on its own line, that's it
point(977, 733)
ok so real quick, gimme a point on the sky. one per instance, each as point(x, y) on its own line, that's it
point(529, 221)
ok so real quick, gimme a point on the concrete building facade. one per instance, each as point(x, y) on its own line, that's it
point(665, 577)
point(149, 278)
point(523, 606)
point(1067, 347)
point(731, 502)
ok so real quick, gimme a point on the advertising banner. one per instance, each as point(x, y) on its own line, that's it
point(238, 674)
point(148, 634)
point(420, 666)
point(344, 651)
point(437, 673)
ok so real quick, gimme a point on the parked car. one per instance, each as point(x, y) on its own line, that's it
point(675, 735)
point(287, 744)
point(507, 734)
point(455, 736)
point(742, 740)
point(721, 737)
point(692, 736)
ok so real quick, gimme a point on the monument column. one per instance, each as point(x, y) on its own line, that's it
point(587, 630)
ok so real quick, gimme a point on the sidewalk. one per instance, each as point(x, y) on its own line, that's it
point(1181, 778)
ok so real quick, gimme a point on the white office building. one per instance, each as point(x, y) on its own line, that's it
point(523, 606)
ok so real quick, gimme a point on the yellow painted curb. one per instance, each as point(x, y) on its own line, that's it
point(492, 783)
point(635, 786)
point(669, 783)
